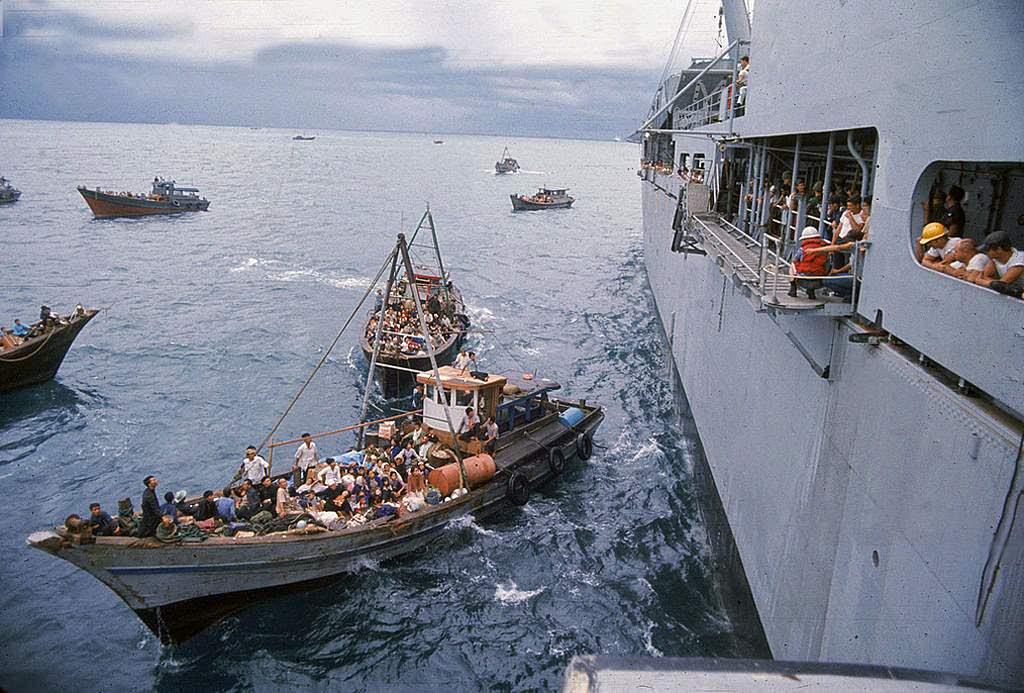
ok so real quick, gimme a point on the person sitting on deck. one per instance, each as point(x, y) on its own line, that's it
point(939, 246)
point(250, 501)
point(469, 425)
point(284, 503)
point(489, 434)
point(103, 525)
point(1005, 269)
point(331, 474)
point(226, 505)
point(150, 508)
point(169, 507)
point(19, 330)
point(462, 360)
point(397, 485)
point(207, 509)
point(268, 494)
point(808, 263)
point(253, 467)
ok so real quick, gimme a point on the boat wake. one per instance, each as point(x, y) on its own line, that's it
point(509, 594)
point(469, 522)
point(278, 271)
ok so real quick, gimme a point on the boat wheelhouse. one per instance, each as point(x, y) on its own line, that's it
point(545, 198)
point(165, 198)
point(8, 193)
point(506, 164)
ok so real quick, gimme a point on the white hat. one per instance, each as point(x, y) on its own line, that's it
point(809, 232)
point(180, 496)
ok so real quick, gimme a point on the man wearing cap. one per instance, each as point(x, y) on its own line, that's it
point(1005, 269)
point(253, 467)
point(939, 247)
point(305, 457)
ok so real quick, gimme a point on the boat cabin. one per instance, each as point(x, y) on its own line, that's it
point(512, 401)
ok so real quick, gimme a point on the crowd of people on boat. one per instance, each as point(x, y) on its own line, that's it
point(946, 246)
point(385, 479)
point(401, 333)
point(19, 332)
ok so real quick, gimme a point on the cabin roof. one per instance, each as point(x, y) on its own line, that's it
point(554, 190)
point(453, 378)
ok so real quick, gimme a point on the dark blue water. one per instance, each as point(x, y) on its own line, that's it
point(213, 320)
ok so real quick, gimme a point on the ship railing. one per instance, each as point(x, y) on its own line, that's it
point(354, 427)
point(716, 107)
point(745, 270)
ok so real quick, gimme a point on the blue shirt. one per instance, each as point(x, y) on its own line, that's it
point(170, 509)
point(20, 330)
point(226, 509)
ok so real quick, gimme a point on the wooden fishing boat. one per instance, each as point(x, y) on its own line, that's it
point(506, 164)
point(178, 589)
point(396, 367)
point(38, 357)
point(304, 138)
point(546, 198)
point(8, 193)
point(165, 198)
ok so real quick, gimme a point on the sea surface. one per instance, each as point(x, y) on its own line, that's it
point(210, 323)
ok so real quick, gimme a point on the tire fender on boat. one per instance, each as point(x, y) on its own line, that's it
point(556, 460)
point(584, 446)
point(518, 489)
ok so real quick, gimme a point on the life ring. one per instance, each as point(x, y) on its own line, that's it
point(584, 446)
point(556, 460)
point(518, 489)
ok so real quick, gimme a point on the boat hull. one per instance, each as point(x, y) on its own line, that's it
point(7, 198)
point(179, 590)
point(398, 383)
point(39, 359)
point(520, 204)
point(106, 206)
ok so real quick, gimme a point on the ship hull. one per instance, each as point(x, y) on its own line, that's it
point(864, 536)
point(520, 204)
point(179, 590)
point(8, 198)
point(105, 206)
point(39, 359)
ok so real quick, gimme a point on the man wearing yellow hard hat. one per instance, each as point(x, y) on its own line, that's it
point(938, 246)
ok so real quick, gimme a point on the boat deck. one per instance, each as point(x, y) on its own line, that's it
point(739, 256)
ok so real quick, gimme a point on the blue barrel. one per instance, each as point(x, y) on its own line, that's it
point(571, 416)
point(350, 457)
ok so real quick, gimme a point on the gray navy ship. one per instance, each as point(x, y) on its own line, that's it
point(862, 440)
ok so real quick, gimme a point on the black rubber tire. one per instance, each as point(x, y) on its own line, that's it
point(518, 489)
point(556, 460)
point(584, 446)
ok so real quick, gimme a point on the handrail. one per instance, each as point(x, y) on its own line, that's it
point(346, 428)
point(689, 84)
point(725, 245)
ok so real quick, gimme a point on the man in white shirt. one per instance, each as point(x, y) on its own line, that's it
point(489, 434)
point(939, 246)
point(851, 224)
point(462, 360)
point(253, 467)
point(305, 457)
point(1005, 269)
point(331, 474)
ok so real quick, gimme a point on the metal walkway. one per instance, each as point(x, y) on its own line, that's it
point(758, 272)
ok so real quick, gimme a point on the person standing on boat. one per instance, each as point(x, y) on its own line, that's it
point(151, 514)
point(253, 467)
point(305, 457)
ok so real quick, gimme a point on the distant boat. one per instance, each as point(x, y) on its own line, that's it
point(166, 198)
point(36, 357)
point(438, 141)
point(546, 198)
point(506, 164)
point(304, 138)
point(8, 193)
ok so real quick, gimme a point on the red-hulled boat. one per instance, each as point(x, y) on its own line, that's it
point(165, 198)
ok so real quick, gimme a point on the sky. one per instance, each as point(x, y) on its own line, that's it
point(576, 68)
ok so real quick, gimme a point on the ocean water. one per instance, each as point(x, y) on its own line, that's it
point(212, 320)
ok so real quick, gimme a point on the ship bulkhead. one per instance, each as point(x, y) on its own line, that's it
point(865, 447)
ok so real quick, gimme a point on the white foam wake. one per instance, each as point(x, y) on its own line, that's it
point(509, 594)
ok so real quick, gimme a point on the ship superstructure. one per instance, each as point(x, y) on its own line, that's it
point(865, 444)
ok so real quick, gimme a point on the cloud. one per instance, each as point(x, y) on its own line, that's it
point(73, 75)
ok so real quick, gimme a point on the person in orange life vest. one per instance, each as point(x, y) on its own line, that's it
point(809, 264)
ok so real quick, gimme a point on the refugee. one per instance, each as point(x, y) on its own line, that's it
point(305, 457)
point(489, 434)
point(461, 361)
point(250, 501)
point(268, 494)
point(331, 474)
point(285, 504)
point(103, 525)
point(169, 507)
point(253, 467)
point(226, 505)
point(127, 521)
point(150, 508)
point(19, 330)
point(469, 425)
point(207, 509)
